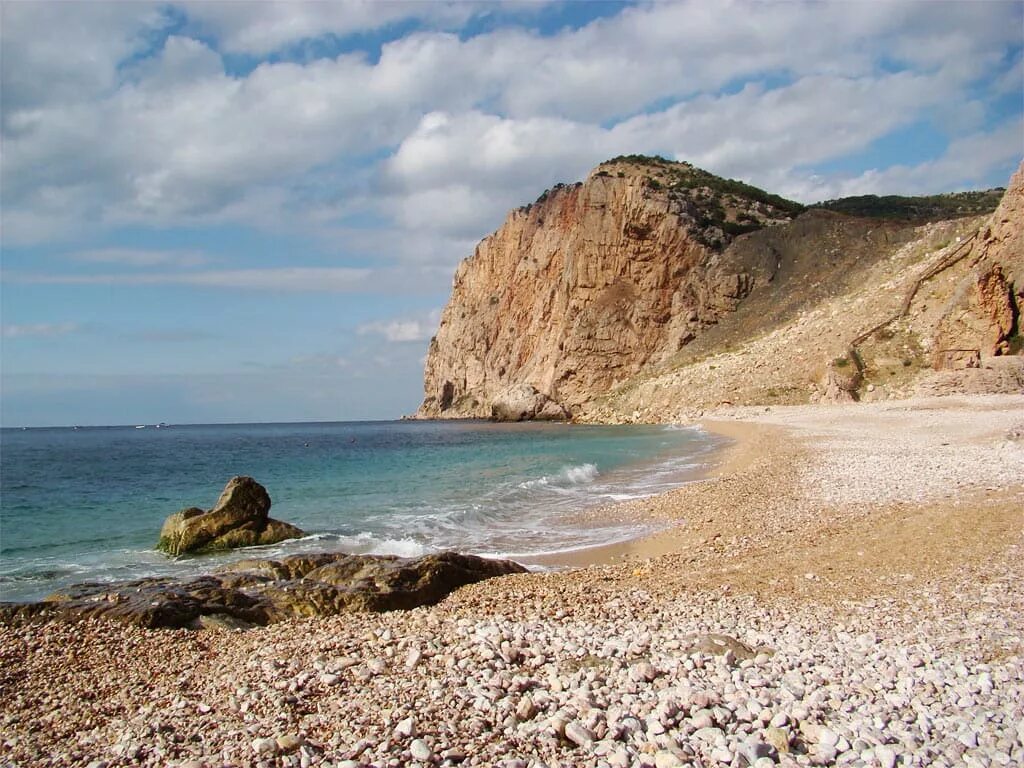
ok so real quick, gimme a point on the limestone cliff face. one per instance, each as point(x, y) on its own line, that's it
point(984, 312)
point(582, 289)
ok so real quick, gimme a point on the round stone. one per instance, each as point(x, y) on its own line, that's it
point(420, 749)
point(264, 746)
point(665, 759)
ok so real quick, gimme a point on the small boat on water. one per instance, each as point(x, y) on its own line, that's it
point(141, 426)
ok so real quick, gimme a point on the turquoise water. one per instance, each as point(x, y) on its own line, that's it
point(87, 504)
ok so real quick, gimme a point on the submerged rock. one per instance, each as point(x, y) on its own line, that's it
point(258, 592)
point(239, 519)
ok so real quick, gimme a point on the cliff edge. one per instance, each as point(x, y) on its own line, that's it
point(654, 290)
point(581, 290)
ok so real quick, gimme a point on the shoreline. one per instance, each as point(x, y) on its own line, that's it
point(846, 589)
point(742, 548)
point(765, 437)
point(744, 448)
point(526, 508)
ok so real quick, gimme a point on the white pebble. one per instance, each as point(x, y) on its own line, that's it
point(420, 749)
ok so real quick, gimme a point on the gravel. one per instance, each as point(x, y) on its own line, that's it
point(875, 684)
point(909, 450)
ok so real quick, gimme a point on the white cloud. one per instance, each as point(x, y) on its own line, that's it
point(171, 336)
point(757, 134)
point(139, 257)
point(481, 124)
point(65, 53)
point(263, 27)
point(615, 67)
point(403, 330)
point(962, 166)
point(322, 361)
point(284, 279)
point(425, 279)
point(182, 141)
point(457, 174)
point(14, 331)
point(490, 149)
point(1012, 80)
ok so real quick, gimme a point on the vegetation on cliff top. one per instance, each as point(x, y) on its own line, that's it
point(712, 194)
point(682, 175)
point(917, 209)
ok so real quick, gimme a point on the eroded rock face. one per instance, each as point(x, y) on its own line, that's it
point(584, 288)
point(984, 314)
point(841, 381)
point(521, 402)
point(239, 519)
point(266, 591)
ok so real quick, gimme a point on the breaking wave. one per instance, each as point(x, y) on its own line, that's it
point(580, 474)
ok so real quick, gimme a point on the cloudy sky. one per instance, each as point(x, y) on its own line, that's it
point(251, 212)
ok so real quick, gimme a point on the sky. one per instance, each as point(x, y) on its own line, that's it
point(237, 212)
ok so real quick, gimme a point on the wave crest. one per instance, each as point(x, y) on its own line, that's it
point(579, 474)
point(584, 473)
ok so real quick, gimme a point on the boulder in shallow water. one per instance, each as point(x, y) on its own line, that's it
point(239, 519)
point(265, 591)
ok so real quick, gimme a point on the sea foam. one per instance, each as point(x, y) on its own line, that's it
point(579, 474)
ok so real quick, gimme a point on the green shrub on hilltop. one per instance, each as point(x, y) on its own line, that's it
point(690, 177)
point(681, 176)
point(917, 209)
point(640, 160)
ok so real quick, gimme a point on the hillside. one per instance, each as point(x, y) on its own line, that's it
point(917, 210)
point(654, 289)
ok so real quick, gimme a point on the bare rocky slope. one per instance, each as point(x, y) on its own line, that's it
point(654, 290)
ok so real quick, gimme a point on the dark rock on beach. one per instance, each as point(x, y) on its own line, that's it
point(239, 519)
point(266, 591)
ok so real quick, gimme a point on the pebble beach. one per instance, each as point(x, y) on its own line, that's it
point(843, 589)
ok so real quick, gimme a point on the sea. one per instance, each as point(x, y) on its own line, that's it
point(85, 504)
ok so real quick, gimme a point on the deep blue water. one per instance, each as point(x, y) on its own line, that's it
point(87, 504)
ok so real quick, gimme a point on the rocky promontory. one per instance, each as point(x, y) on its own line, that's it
point(240, 518)
point(653, 291)
point(580, 290)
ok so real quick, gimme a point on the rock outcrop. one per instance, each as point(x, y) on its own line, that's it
point(582, 289)
point(521, 402)
point(266, 591)
point(984, 312)
point(841, 380)
point(240, 518)
point(654, 291)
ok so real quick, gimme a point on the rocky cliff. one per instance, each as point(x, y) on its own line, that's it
point(654, 290)
point(583, 289)
point(983, 313)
